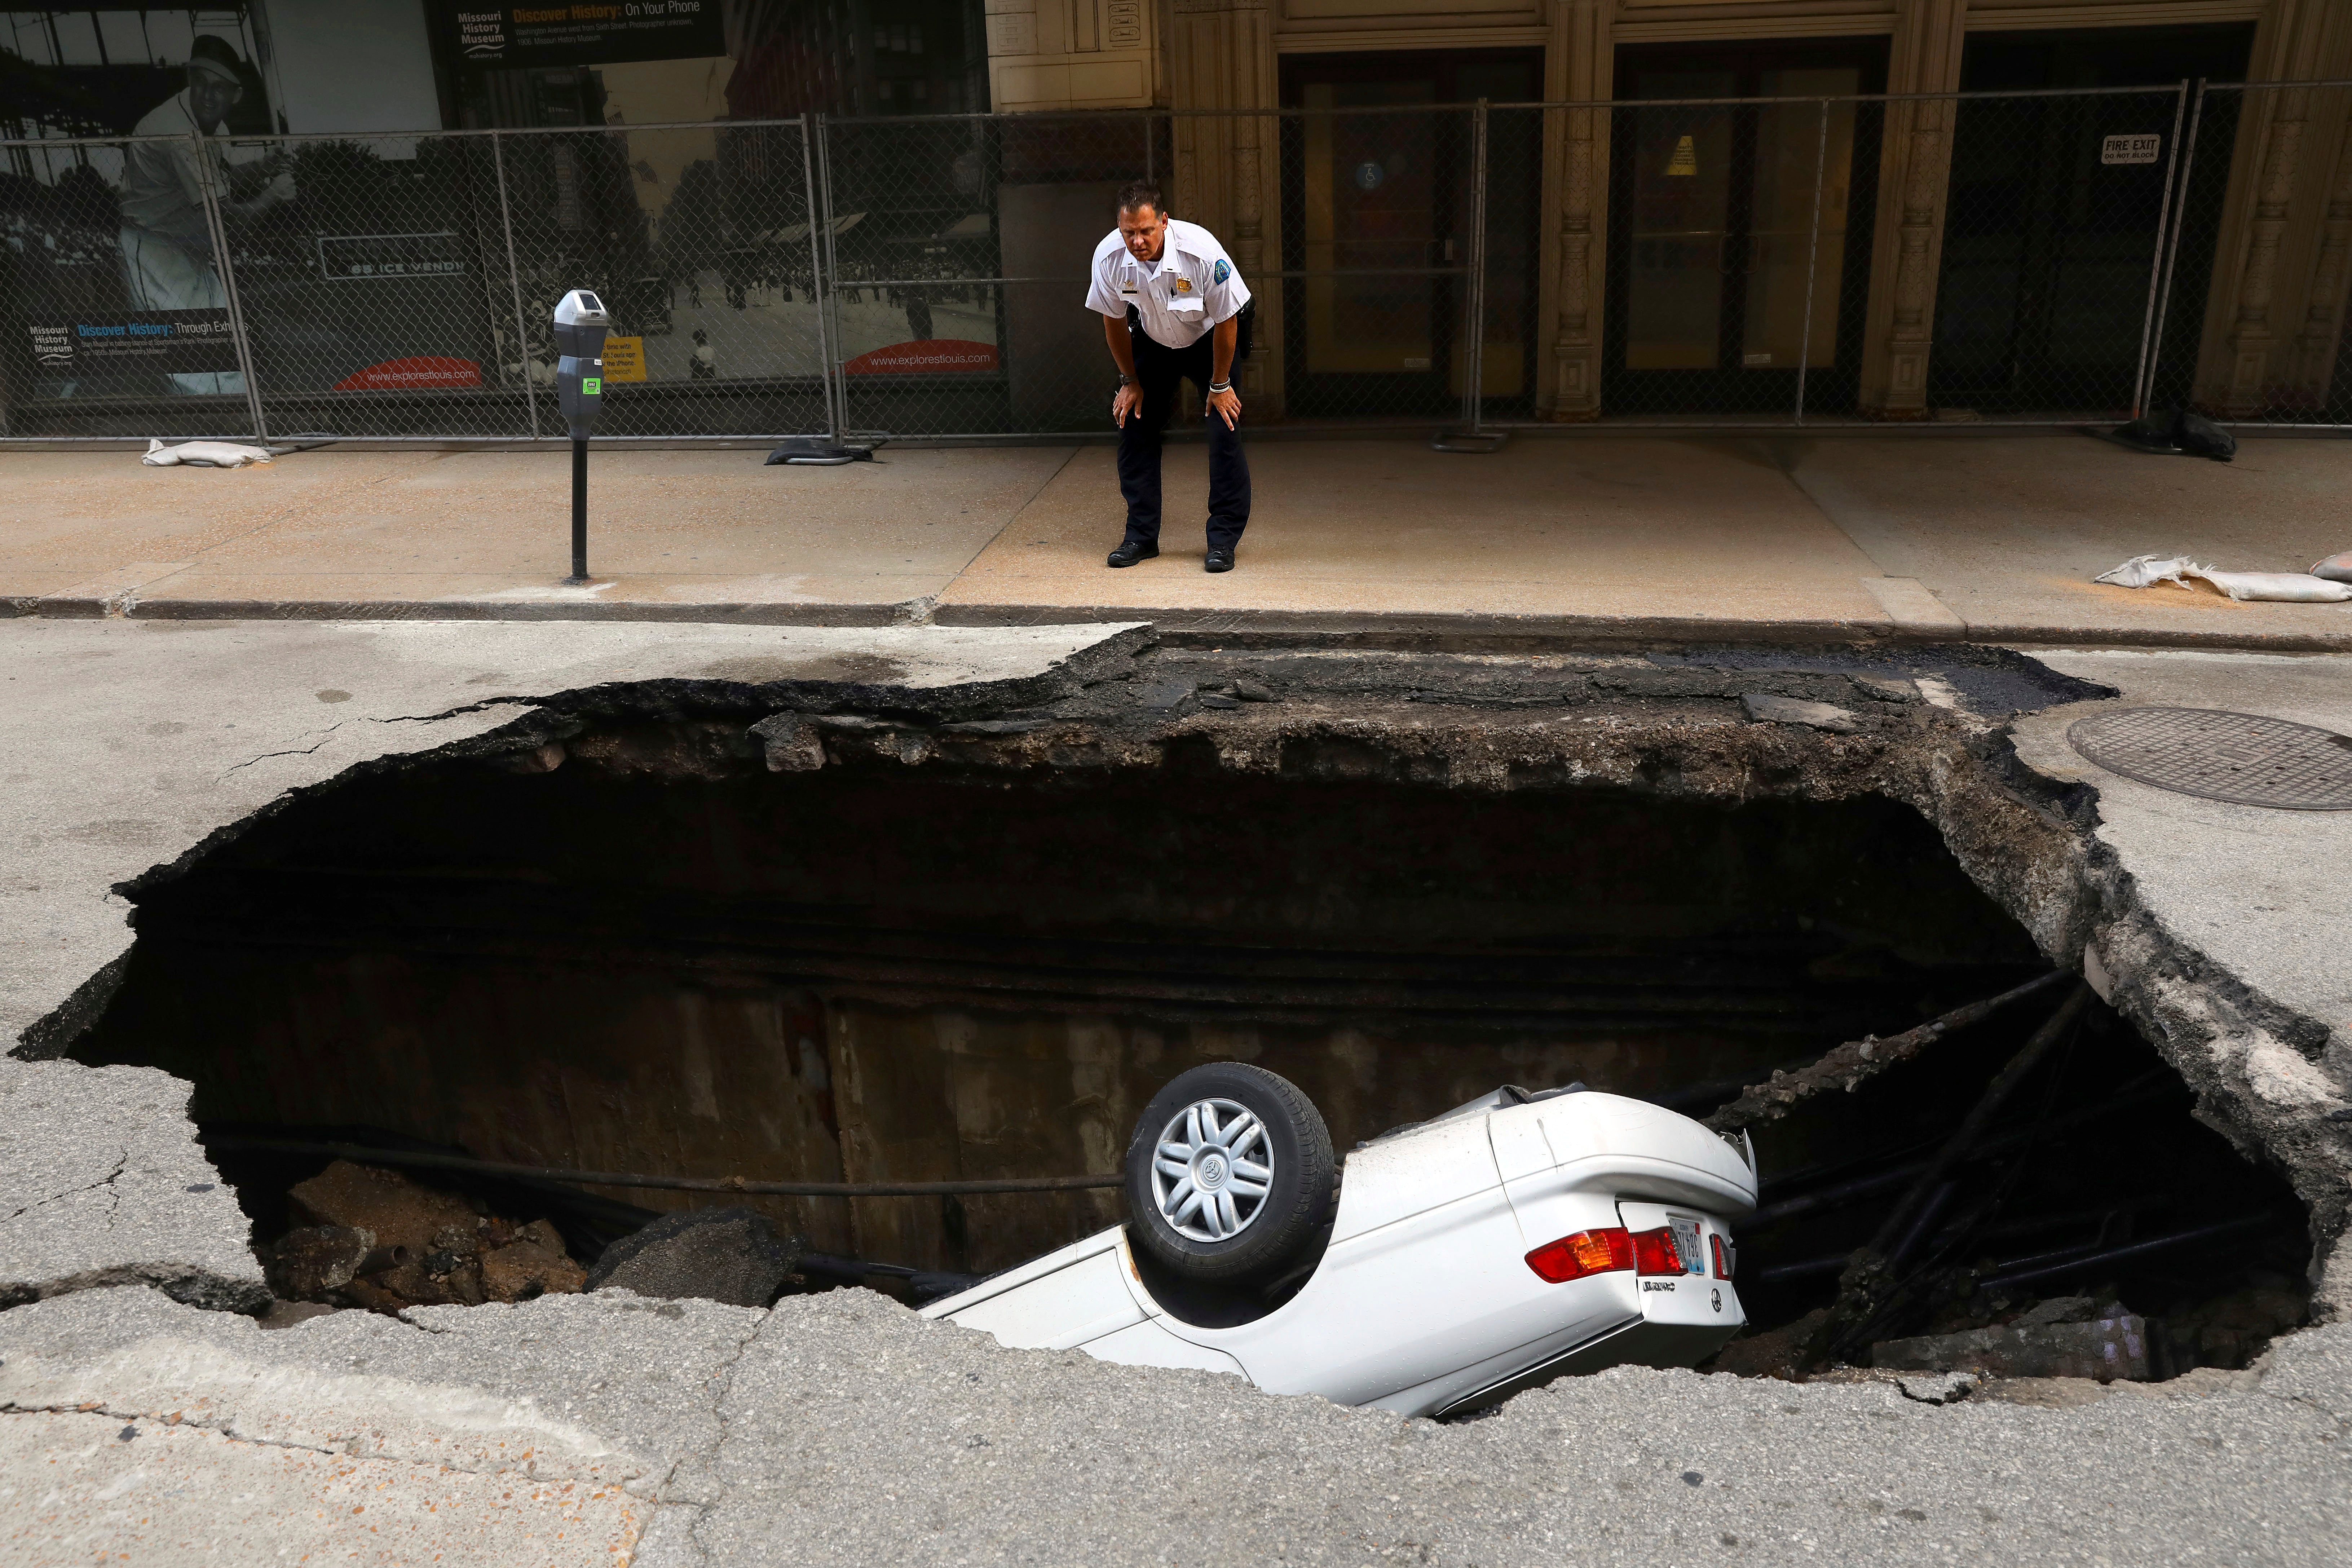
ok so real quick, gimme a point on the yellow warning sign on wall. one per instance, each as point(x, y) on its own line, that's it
point(624, 358)
point(1685, 158)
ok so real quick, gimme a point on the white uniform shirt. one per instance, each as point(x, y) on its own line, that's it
point(1192, 288)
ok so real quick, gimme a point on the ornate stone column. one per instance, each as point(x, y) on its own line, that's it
point(1222, 58)
point(1911, 332)
point(2251, 337)
point(1578, 68)
point(2332, 271)
point(2278, 236)
point(1250, 135)
point(1915, 174)
point(2322, 317)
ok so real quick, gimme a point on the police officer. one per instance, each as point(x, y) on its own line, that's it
point(1173, 308)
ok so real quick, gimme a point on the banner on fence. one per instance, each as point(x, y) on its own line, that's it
point(171, 341)
point(582, 34)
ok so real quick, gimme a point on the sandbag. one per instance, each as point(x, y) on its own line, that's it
point(203, 454)
point(2285, 588)
point(2176, 434)
point(2282, 587)
point(2150, 432)
point(2147, 570)
point(2337, 568)
point(2200, 437)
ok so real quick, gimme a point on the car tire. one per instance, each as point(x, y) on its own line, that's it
point(1195, 1200)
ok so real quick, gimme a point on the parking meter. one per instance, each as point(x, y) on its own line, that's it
point(581, 324)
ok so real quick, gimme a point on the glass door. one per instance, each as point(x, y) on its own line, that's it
point(1373, 238)
point(1681, 225)
point(1377, 199)
point(1732, 264)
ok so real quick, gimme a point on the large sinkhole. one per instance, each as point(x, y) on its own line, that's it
point(872, 972)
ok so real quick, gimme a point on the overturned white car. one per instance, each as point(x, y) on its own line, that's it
point(1516, 1238)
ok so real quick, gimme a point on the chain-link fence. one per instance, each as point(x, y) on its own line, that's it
point(1807, 257)
point(121, 314)
point(397, 287)
point(2056, 216)
point(1739, 256)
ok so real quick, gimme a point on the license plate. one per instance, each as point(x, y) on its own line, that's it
point(1686, 1246)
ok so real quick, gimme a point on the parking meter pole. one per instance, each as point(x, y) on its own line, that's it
point(580, 324)
point(580, 508)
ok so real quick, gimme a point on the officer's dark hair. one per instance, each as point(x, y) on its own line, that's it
point(1137, 194)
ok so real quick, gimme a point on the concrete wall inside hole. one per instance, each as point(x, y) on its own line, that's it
point(873, 974)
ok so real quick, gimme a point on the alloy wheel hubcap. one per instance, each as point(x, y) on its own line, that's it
point(1212, 1170)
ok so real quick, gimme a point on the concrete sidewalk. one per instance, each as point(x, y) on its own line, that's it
point(1935, 535)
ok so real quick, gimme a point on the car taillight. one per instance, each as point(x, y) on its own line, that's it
point(1586, 1252)
point(1654, 1252)
point(1725, 1257)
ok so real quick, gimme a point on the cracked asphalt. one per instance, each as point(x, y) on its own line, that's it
point(105, 1185)
point(840, 1428)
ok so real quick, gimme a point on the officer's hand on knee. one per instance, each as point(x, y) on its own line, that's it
point(1227, 404)
point(1125, 402)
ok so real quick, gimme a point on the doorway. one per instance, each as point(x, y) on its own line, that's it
point(1378, 195)
point(1728, 276)
point(2049, 236)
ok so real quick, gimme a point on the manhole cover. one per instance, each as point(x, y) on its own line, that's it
point(2240, 757)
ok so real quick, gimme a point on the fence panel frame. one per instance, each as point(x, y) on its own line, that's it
point(12, 408)
point(1813, 261)
point(226, 267)
point(514, 283)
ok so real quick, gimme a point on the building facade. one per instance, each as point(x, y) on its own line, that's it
point(1670, 210)
point(1947, 200)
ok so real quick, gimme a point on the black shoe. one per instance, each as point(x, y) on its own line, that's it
point(1132, 551)
point(1220, 559)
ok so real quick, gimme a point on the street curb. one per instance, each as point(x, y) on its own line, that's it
point(1193, 625)
point(1189, 627)
point(461, 610)
point(2151, 637)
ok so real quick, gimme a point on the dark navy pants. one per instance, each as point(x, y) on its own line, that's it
point(1157, 370)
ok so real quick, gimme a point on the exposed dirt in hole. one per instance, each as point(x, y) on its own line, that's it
point(837, 932)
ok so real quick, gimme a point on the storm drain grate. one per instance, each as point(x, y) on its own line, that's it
point(2239, 757)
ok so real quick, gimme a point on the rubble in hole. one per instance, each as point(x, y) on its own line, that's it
point(371, 1237)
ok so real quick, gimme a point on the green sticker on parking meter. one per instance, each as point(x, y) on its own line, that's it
point(592, 385)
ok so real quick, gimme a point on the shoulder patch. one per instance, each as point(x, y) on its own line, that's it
point(1219, 272)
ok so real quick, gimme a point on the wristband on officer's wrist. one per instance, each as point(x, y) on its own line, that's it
point(1126, 380)
point(1217, 386)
